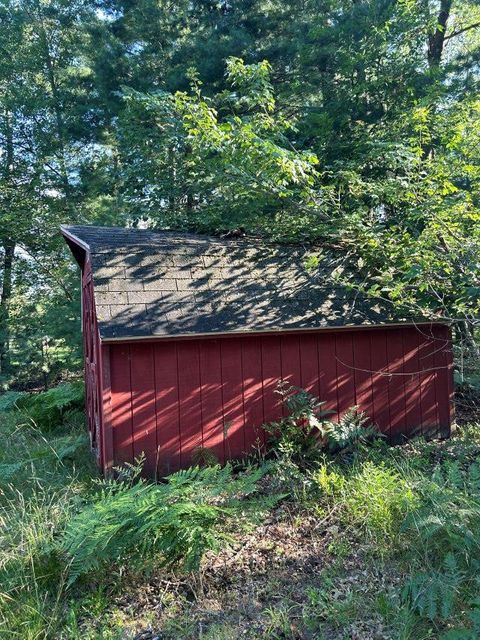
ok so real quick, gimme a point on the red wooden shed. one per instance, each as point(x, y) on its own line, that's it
point(187, 336)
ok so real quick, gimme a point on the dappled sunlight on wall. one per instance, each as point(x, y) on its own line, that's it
point(171, 398)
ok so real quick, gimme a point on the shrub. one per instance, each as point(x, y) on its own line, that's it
point(49, 409)
point(301, 434)
point(378, 499)
point(330, 481)
point(306, 431)
point(432, 594)
point(448, 521)
point(446, 553)
point(177, 521)
point(9, 399)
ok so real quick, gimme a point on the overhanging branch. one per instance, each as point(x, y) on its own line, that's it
point(462, 30)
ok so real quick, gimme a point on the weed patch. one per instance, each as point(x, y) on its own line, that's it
point(372, 499)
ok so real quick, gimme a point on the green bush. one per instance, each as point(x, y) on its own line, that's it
point(9, 399)
point(432, 594)
point(301, 434)
point(306, 433)
point(446, 553)
point(448, 520)
point(49, 408)
point(378, 499)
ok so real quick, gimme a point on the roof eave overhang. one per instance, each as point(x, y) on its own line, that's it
point(260, 332)
point(78, 247)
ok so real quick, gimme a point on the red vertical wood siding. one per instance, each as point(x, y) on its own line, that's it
point(106, 391)
point(380, 380)
point(345, 380)
point(411, 364)
point(253, 393)
point(428, 387)
point(167, 407)
point(290, 355)
point(362, 371)
point(211, 396)
point(232, 396)
point(442, 358)
point(144, 423)
point(170, 398)
point(396, 391)
point(327, 373)
point(271, 373)
point(189, 400)
point(310, 379)
point(121, 404)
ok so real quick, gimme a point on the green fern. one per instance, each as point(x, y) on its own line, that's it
point(298, 437)
point(433, 594)
point(447, 522)
point(473, 477)
point(9, 399)
point(453, 475)
point(9, 470)
point(177, 521)
point(447, 530)
point(353, 430)
point(47, 409)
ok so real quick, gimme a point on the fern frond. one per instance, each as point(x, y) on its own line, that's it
point(177, 521)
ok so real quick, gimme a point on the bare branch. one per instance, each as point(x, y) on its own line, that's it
point(462, 30)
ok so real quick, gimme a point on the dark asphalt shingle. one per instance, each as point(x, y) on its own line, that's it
point(169, 283)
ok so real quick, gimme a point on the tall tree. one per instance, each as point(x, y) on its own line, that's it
point(46, 119)
point(117, 111)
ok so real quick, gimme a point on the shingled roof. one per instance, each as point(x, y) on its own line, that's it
point(166, 283)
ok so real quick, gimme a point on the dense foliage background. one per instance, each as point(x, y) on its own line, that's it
point(348, 122)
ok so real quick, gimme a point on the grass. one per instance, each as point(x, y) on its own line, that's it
point(383, 544)
point(42, 479)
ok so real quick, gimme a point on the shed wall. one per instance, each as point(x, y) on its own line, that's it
point(92, 365)
point(167, 398)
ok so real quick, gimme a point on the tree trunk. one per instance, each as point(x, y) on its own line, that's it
point(57, 110)
point(436, 40)
point(6, 294)
point(9, 248)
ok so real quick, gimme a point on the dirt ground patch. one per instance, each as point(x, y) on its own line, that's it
point(296, 576)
